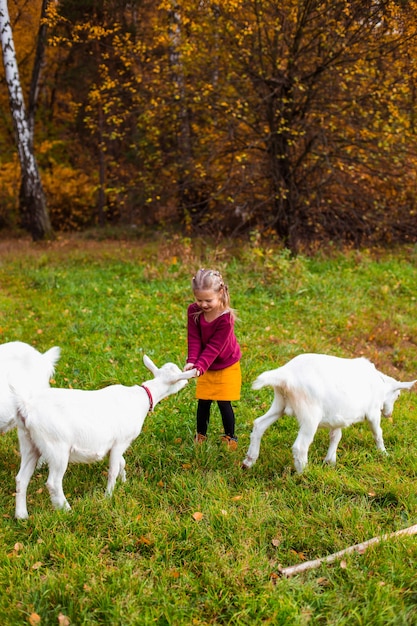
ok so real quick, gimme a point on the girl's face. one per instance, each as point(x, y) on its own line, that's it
point(208, 300)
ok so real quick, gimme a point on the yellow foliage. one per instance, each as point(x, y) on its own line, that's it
point(9, 187)
point(71, 197)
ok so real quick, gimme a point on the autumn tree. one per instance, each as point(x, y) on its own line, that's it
point(32, 199)
point(102, 55)
point(318, 108)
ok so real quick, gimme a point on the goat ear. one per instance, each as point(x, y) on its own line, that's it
point(407, 385)
point(150, 365)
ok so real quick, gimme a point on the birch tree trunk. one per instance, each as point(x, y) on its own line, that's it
point(32, 202)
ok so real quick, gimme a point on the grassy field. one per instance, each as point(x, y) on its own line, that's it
point(143, 556)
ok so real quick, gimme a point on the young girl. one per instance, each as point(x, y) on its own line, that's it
point(215, 353)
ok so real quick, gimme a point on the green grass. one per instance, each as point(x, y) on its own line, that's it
point(140, 557)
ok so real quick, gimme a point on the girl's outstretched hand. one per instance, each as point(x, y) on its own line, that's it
point(189, 367)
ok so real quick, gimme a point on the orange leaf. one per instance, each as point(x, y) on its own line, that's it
point(34, 619)
point(300, 555)
point(198, 516)
point(144, 540)
point(237, 498)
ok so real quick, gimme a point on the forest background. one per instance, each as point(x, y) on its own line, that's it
point(290, 117)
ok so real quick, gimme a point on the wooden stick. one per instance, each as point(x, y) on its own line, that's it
point(359, 547)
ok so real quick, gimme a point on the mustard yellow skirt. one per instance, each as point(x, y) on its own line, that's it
point(220, 384)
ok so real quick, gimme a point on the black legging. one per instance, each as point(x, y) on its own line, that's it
point(226, 411)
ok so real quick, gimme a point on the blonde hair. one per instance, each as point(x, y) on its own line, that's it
point(212, 279)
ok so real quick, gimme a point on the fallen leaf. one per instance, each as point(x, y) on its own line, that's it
point(144, 540)
point(276, 542)
point(18, 546)
point(371, 493)
point(63, 620)
point(161, 483)
point(343, 564)
point(235, 498)
point(223, 512)
point(300, 555)
point(198, 516)
point(34, 619)
point(186, 466)
point(37, 565)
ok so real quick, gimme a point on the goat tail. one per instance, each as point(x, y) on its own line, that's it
point(21, 406)
point(267, 379)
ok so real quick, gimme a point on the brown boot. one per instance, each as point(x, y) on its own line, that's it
point(199, 438)
point(231, 442)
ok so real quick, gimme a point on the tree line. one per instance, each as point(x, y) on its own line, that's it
point(290, 117)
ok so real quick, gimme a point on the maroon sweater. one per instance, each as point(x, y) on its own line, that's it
point(211, 345)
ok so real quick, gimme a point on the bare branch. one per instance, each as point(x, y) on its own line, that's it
point(359, 548)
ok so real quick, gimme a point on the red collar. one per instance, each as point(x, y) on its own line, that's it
point(149, 396)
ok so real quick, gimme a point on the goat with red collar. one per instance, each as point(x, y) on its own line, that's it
point(81, 426)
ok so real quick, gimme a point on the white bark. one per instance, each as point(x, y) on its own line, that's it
point(32, 199)
point(17, 104)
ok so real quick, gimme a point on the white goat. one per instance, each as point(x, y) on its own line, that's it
point(22, 367)
point(328, 392)
point(80, 426)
